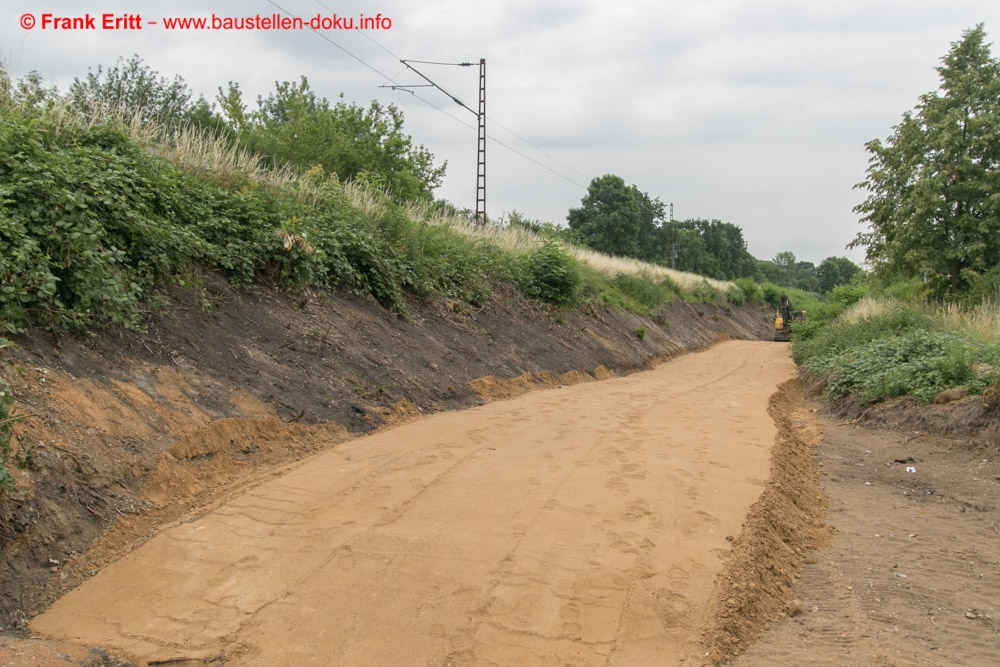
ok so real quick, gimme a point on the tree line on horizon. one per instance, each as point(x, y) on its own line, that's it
point(932, 206)
point(619, 219)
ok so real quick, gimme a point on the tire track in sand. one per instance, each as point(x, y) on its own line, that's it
point(580, 525)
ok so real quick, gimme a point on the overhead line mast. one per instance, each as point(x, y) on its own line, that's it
point(480, 115)
point(481, 161)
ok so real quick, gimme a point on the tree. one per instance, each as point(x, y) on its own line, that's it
point(805, 277)
point(293, 125)
point(932, 202)
point(610, 217)
point(692, 255)
point(652, 245)
point(787, 262)
point(132, 87)
point(835, 271)
point(712, 248)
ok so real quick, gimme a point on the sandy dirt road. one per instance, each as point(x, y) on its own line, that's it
point(583, 525)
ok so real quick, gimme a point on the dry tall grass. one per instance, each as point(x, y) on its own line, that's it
point(521, 240)
point(612, 266)
point(186, 145)
point(869, 307)
point(981, 323)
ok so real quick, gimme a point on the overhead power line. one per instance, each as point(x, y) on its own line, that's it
point(396, 85)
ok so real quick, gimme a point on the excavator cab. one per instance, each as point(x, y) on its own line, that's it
point(783, 318)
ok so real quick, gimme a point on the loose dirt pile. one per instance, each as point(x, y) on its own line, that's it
point(781, 529)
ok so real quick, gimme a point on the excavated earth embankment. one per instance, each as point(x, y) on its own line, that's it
point(129, 432)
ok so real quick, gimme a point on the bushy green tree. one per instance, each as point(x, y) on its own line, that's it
point(933, 203)
point(835, 271)
point(29, 94)
point(609, 218)
point(787, 262)
point(712, 248)
point(293, 125)
point(652, 243)
point(131, 87)
point(692, 253)
point(805, 277)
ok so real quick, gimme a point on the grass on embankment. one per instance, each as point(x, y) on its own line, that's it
point(877, 348)
point(99, 214)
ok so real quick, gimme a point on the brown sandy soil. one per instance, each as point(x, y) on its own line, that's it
point(913, 574)
point(581, 525)
point(129, 430)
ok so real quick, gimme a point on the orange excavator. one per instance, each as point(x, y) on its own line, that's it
point(783, 318)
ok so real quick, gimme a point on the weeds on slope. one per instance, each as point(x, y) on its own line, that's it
point(878, 348)
point(98, 212)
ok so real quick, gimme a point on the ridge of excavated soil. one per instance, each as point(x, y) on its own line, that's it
point(911, 576)
point(757, 584)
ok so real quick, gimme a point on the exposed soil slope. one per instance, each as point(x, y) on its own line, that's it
point(130, 431)
point(583, 525)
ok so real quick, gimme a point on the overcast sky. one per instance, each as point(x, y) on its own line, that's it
point(754, 112)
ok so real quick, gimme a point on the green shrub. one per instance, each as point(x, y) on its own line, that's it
point(844, 296)
point(918, 363)
point(646, 290)
point(751, 290)
point(772, 294)
point(641, 333)
point(735, 295)
point(911, 290)
point(703, 292)
point(554, 275)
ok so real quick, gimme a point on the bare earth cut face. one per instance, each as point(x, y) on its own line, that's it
point(581, 525)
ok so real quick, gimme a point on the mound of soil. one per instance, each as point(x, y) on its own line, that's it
point(128, 431)
point(911, 576)
point(756, 587)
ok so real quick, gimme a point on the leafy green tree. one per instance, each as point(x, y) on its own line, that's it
point(835, 271)
point(767, 271)
point(787, 263)
point(724, 241)
point(932, 201)
point(29, 94)
point(130, 86)
point(652, 244)
point(610, 217)
point(708, 247)
point(293, 125)
point(805, 277)
point(692, 253)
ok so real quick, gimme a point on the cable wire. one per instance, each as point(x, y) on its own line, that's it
point(488, 117)
point(434, 106)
